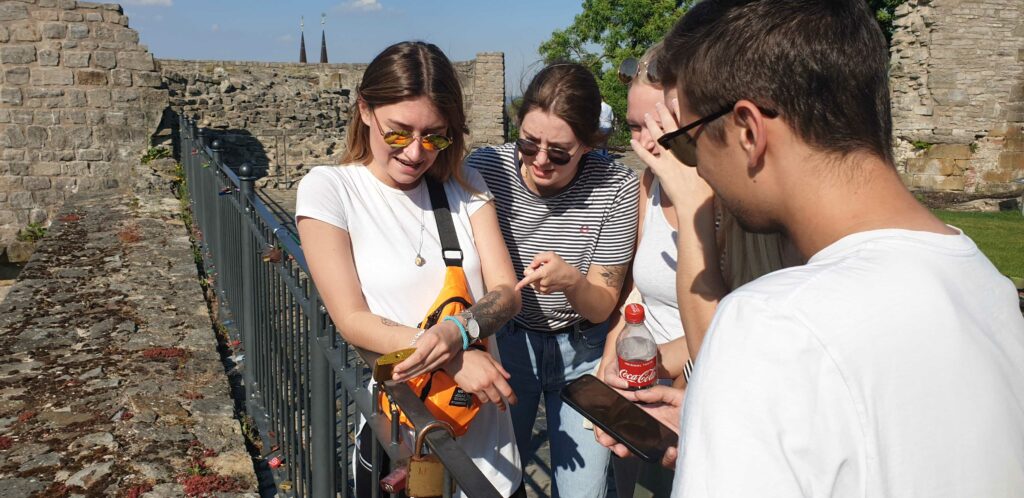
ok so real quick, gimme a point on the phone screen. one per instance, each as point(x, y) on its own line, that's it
point(629, 424)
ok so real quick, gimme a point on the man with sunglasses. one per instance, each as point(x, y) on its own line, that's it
point(892, 363)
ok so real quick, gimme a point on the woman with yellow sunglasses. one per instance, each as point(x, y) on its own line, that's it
point(372, 243)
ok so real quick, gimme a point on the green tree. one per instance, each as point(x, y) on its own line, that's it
point(605, 33)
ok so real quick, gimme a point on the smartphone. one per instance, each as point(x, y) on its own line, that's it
point(623, 420)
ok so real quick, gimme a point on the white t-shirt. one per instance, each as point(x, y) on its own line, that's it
point(607, 118)
point(384, 224)
point(891, 365)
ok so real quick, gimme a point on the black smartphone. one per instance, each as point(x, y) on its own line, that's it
point(623, 420)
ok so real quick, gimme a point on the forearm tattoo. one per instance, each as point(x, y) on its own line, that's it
point(491, 312)
point(390, 323)
point(614, 275)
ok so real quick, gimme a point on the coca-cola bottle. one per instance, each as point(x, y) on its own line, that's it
point(637, 351)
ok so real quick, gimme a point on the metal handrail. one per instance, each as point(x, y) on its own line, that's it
point(304, 384)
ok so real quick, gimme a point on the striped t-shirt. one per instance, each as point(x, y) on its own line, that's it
point(592, 221)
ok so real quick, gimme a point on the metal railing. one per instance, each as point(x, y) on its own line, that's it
point(304, 385)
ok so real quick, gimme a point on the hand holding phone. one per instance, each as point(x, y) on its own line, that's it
point(639, 431)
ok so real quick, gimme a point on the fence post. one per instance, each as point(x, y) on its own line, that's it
point(322, 419)
point(248, 322)
point(218, 236)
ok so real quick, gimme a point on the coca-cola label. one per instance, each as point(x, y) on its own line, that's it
point(639, 374)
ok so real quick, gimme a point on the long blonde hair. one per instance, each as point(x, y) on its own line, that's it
point(408, 70)
point(745, 256)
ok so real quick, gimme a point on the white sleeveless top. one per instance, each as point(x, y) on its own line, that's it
point(654, 271)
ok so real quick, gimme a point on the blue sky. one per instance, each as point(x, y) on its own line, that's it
point(268, 30)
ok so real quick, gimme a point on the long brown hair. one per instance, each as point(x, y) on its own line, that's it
point(570, 92)
point(408, 70)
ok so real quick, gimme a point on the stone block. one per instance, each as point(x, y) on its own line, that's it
point(952, 151)
point(1011, 161)
point(74, 116)
point(18, 54)
point(76, 59)
point(48, 57)
point(74, 97)
point(71, 16)
point(26, 33)
point(91, 77)
point(150, 79)
point(52, 76)
point(94, 16)
point(139, 61)
point(10, 183)
point(99, 97)
point(37, 215)
point(64, 183)
point(45, 15)
point(12, 136)
point(43, 118)
point(124, 96)
point(104, 59)
point(128, 36)
point(90, 155)
point(43, 93)
point(78, 31)
point(44, 169)
point(97, 117)
point(54, 30)
point(5, 35)
point(5, 116)
point(12, 155)
point(74, 168)
point(79, 137)
point(121, 77)
point(16, 75)
point(67, 4)
point(21, 116)
point(58, 137)
point(35, 137)
point(12, 11)
point(10, 96)
point(32, 183)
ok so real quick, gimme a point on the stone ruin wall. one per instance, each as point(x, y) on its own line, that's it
point(286, 117)
point(79, 97)
point(957, 77)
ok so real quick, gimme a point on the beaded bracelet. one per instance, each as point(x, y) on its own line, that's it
point(417, 337)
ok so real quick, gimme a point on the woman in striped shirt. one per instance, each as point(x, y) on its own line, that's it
point(568, 217)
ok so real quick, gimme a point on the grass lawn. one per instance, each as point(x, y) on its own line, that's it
point(999, 235)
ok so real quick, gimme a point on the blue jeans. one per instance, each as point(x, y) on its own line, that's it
point(543, 363)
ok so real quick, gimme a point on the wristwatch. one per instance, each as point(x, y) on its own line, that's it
point(472, 328)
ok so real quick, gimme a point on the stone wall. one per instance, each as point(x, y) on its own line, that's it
point(958, 94)
point(79, 99)
point(285, 117)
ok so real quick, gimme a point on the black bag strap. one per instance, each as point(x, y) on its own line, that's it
point(450, 249)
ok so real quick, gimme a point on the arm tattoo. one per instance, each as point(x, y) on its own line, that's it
point(614, 275)
point(390, 323)
point(491, 312)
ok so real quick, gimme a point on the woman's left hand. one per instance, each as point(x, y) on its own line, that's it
point(478, 373)
point(437, 346)
point(549, 273)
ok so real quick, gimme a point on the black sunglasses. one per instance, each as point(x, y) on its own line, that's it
point(557, 156)
point(630, 67)
point(682, 145)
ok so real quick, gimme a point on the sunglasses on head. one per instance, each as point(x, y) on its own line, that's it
point(401, 139)
point(630, 68)
point(556, 155)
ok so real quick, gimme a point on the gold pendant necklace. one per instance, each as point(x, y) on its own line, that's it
point(419, 260)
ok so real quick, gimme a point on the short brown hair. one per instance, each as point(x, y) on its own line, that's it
point(821, 64)
point(408, 70)
point(569, 91)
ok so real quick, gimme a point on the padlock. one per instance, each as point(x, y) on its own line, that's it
point(395, 481)
point(426, 472)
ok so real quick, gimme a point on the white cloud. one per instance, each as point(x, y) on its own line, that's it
point(156, 3)
point(362, 5)
point(215, 28)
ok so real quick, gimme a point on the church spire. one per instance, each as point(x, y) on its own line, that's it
point(302, 40)
point(323, 39)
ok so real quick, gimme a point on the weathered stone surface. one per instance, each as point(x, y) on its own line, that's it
point(16, 75)
point(91, 77)
point(78, 31)
point(12, 11)
point(54, 30)
point(48, 57)
point(141, 61)
point(76, 59)
point(105, 59)
point(18, 54)
point(52, 76)
point(10, 96)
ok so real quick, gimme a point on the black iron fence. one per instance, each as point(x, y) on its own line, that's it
point(305, 387)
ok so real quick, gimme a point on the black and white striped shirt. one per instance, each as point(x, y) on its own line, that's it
point(593, 221)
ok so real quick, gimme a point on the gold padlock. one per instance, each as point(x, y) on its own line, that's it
point(426, 472)
point(385, 364)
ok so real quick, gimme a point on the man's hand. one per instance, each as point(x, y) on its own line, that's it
point(664, 404)
point(549, 273)
point(478, 373)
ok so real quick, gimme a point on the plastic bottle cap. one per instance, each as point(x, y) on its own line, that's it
point(634, 313)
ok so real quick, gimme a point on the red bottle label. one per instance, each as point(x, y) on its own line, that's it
point(639, 374)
